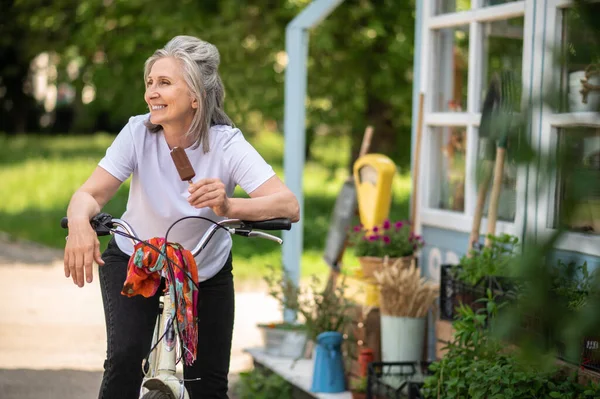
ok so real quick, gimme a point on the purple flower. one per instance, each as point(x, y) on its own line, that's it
point(357, 229)
point(398, 225)
point(375, 229)
point(373, 238)
point(386, 224)
point(386, 239)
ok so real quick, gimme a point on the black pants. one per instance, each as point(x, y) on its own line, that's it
point(130, 324)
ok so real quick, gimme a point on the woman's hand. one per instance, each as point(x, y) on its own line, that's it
point(209, 193)
point(82, 249)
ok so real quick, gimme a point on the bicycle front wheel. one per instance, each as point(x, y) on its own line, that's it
point(156, 395)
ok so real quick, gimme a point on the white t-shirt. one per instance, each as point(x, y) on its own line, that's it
point(158, 197)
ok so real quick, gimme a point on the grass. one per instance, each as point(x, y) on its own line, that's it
point(38, 175)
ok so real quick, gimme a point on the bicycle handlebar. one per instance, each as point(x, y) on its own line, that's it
point(105, 224)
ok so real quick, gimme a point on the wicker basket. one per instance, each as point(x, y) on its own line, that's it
point(369, 264)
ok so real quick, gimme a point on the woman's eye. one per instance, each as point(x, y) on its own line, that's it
point(164, 82)
point(148, 83)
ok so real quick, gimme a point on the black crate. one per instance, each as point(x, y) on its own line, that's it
point(590, 357)
point(396, 380)
point(453, 292)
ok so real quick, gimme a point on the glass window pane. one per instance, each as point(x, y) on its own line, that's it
point(486, 158)
point(451, 72)
point(578, 193)
point(503, 54)
point(581, 61)
point(449, 6)
point(448, 171)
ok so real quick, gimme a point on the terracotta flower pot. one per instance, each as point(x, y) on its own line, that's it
point(369, 264)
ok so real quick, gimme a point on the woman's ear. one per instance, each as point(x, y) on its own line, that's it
point(194, 103)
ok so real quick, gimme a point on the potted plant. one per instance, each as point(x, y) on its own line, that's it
point(280, 338)
point(493, 260)
point(582, 60)
point(327, 314)
point(321, 309)
point(484, 268)
point(358, 387)
point(388, 242)
point(284, 339)
point(406, 297)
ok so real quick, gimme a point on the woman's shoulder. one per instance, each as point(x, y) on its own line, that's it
point(137, 124)
point(223, 135)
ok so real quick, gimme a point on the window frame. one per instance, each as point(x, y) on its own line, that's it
point(469, 118)
point(550, 123)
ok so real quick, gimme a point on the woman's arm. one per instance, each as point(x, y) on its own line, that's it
point(272, 199)
point(82, 246)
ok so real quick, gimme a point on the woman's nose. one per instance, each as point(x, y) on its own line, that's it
point(152, 93)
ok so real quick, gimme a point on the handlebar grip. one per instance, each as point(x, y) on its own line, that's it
point(101, 223)
point(272, 224)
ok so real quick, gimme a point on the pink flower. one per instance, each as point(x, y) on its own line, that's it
point(398, 225)
point(386, 224)
point(375, 229)
point(357, 229)
point(373, 238)
point(386, 239)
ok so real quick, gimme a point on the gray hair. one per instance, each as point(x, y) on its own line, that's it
point(200, 62)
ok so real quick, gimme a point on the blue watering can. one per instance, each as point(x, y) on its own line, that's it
point(328, 371)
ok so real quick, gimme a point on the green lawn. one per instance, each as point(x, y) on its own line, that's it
point(38, 175)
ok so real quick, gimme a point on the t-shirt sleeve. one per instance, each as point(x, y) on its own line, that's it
point(247, 167)
point(119, 159)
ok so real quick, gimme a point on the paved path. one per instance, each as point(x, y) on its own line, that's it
point(52, 334)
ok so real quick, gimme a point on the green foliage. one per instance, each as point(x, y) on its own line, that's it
point(388, 239)
point(494, 260)
point(477, 365)
point(359, 67)
point(358, 384)
point(322, 308)
point(262, 384)
point(574, 283)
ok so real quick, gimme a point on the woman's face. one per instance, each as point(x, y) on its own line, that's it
point(168, 96)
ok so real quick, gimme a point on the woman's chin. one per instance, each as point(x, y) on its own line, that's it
point(155, 120)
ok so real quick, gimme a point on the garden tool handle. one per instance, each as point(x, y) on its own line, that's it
point(495, 195)
point(481, 197)
point(416, 166)
point(366, 142)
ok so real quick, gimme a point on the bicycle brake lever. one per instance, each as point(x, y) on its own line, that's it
point(261, 234)
point(102, 223)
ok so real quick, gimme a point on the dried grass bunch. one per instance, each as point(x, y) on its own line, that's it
point(403, 292)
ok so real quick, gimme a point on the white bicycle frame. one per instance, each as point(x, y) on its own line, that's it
point(162, 361)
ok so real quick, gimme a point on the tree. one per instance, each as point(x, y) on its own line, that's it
point(360, 67)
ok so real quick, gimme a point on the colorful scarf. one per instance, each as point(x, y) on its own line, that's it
point(143, 278)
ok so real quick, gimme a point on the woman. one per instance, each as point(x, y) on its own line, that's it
point(185, 96)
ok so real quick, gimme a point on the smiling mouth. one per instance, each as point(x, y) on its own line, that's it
point(157, 107)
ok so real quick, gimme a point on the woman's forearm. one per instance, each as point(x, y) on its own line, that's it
point(278, 205)
point(82, 208)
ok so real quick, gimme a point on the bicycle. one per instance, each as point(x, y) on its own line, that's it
point(159, 366)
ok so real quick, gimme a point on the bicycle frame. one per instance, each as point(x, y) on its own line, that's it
point(162, 361)
point(160, 375)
